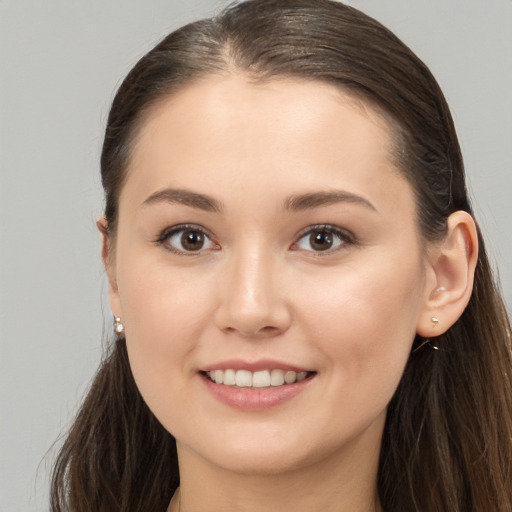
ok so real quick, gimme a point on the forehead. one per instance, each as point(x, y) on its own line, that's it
point(262, 103)
point(279, 134)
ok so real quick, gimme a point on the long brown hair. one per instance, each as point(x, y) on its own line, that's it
point(447, 443)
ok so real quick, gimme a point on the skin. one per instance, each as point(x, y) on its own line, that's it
point(259, 290)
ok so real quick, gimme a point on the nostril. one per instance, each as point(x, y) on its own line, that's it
point(269, 329)
point(262, 332)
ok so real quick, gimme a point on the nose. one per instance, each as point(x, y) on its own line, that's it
point(252, 297)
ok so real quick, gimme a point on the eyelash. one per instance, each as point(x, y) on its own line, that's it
point(344, 238)
point(166, 234)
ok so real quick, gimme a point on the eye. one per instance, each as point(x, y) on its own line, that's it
point(186, 239)
point(323, 238)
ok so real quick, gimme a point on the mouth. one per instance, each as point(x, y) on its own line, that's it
point(271, 378)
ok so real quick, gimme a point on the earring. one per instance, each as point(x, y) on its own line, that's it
point(118, 325)
point(426, 341)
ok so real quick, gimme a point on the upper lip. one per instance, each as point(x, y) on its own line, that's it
point(253, 366)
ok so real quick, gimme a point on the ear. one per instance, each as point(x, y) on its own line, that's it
point(108, 257)
point(450, 273)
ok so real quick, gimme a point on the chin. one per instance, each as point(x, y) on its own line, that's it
point(261, 462)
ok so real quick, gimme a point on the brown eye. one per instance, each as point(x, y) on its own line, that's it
point(192, 240)
point(186, 239)
point(323, 239)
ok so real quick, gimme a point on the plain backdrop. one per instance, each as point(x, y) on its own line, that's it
point(60, 63)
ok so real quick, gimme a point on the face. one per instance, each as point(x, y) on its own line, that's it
point(267, 242)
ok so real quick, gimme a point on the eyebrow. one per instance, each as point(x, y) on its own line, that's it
point(317, 199)
point(295, 203)
point(185, 197)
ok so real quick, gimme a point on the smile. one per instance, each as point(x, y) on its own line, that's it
point(258, 379)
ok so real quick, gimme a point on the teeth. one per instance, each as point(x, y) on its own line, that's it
point(301, 376)
point(229, 377)
point(277, 378)
point(259, 379)
point(290, 377)
point(243, 378)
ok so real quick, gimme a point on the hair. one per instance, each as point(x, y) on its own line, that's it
point(447, 442)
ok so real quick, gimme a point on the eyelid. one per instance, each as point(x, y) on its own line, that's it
point(344, 235)
point(166, 233)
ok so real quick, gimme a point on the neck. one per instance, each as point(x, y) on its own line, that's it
point(346, 484)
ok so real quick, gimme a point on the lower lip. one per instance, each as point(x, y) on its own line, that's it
point(255, 399)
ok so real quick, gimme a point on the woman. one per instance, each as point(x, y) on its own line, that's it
point(305, 313)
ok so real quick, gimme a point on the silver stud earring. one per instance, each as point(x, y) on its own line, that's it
point(435, 321)
point(118, 325)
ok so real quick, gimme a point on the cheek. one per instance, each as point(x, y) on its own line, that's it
point(157, 298)
point(364, 324)
point(165, 313)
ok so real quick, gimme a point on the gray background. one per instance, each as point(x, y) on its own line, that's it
point(60, 62)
